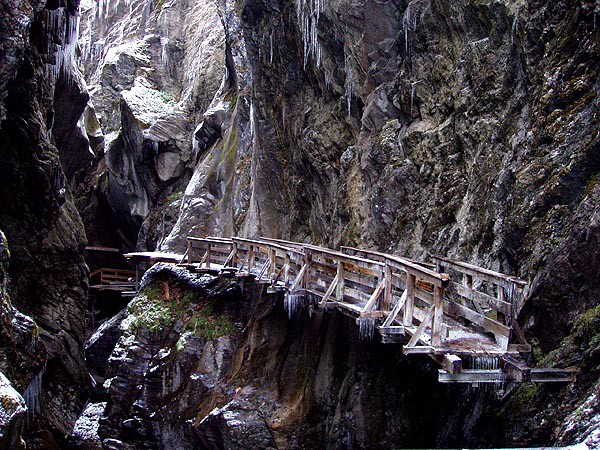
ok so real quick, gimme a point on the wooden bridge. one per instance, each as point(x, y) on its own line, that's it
point(460, 315)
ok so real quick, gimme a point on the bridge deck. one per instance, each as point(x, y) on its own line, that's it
point(446, 309)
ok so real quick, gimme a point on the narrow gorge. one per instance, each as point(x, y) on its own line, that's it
point(414, 128)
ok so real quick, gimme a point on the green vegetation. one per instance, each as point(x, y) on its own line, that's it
point(166, 97)
point(174, 196)
point(187, 312)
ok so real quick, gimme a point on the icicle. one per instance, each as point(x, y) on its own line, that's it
point(252, 124)
point(366, 328)
point(515, 28)
point(309, 12)
point(32, 395)
point(164, 53)
point(60, 23)
point(292, 302)
point(349, 85)
point(271, 48)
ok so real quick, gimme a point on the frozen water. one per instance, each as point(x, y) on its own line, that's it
point(308, 12)
point(366, 328)
point(293, 302)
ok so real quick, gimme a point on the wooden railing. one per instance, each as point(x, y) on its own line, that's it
point(113, 276)
point(378, 286)
point(486, 299)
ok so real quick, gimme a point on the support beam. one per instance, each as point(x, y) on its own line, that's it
point(407, 319)
point(329, 291)
point(450, 363)
point(421, 328)
point(299, 278)
point(387, 296)
point(339, 293)
point(397, 308)
point(438, 317)
point(374, 296)
point(516, 370)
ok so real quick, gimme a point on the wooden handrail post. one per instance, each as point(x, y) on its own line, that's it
point(387, 296)
point(409, 307)
point(286, 270)
point(438, 314)
point(307, 276)
point(234, 259)
point(339, 293)
point(250, 257)
point(189, 252)
point(273, 264)
point(500, 316)
point(208, 256)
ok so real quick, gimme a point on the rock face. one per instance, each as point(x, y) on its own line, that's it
point(152, 69)
point(12, 416)
point(48, 274)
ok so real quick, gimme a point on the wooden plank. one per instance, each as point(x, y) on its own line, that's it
point(397, 308)
point(410, 301)
point(550, 375)
point(481, 273)
point(450, 363)
point(392, 330)
point(421, 328)
point(339, 293)
point(417, 350)
point(472, 376)
point(299, 277)
point(436, 328)
point(374, 296)
point(456, 309)
point(332, 286)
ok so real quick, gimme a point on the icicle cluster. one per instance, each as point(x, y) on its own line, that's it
point(293, 302)
point(32, 395)
point(308, 12)
point(409, 23)
point(366, 328)
point(62, 27)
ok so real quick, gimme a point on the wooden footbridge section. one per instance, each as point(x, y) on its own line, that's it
point(460, 315)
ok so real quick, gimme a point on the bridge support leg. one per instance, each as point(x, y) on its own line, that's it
point(409, 307)
point(436, 329)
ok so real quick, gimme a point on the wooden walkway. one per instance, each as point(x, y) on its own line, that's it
point(460, 315)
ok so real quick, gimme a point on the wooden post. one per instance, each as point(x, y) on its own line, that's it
point(235, 256)
point(409, 307)
point(387, 296)
point(438, 317)
point(189, 252)
point(307, 277)
point(273, 265)
point(250, 258)
point(208, 256)
point(501, 296)
point(286, 269)
point(339, 293)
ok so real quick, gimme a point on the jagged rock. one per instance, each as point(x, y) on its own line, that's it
point(85, 434)
point(101, 344)
point(237, 425)
point(12, 416)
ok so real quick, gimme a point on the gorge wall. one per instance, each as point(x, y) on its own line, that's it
point(467, 128)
